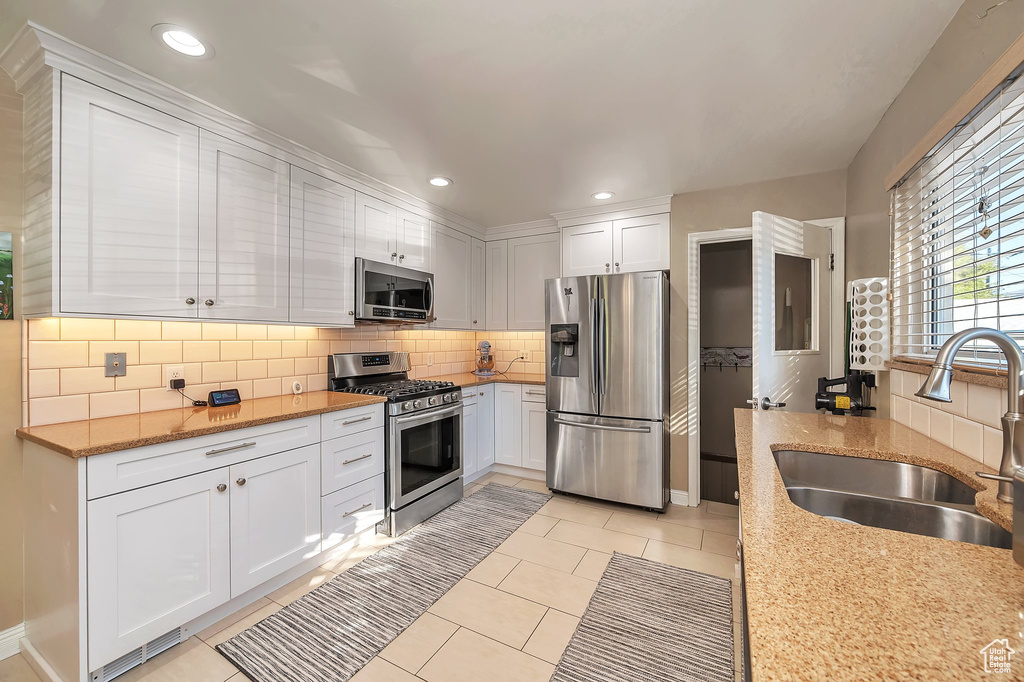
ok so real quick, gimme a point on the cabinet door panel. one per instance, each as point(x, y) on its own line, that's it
point(453, 293)
point(534, 435)
point(129, 198)
point(508, 424)
point(243, 220)
point(470, 434)
point(485, 427)
point(497, 285)
point(413, 241)
point(275, 515)
point(477, 283)
point(642, 243)
point(531, 260)
point(587, 250)
point(322, 235)
point(376, 230)
point(158, 557)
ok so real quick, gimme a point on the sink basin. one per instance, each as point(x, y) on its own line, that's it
point(936, 520)
point(872, 477)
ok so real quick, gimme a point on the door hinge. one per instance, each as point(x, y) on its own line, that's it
point(831, 261)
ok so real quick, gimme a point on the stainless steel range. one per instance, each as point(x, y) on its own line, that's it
point(423, 434)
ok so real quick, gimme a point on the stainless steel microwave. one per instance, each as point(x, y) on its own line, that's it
point(389, 293)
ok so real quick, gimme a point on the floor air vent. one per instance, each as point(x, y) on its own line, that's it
point(138, 656)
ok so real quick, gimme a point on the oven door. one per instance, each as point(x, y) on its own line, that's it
point(389, 293)
point(424, 453)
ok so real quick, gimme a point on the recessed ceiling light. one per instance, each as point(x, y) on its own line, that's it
point(182, 40)
point(438, 181)
point(603, 195)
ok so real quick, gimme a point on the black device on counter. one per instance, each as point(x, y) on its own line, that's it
point(227, 396)
point(852, 400)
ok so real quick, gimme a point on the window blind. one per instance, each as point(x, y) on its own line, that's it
point(958, 233)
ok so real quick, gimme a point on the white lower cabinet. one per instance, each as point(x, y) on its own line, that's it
point(508, 424)
point(158, 557)
point(352, 510)
point(485, 427)
point(275, 515)
point(534, 435)
point(470, 434)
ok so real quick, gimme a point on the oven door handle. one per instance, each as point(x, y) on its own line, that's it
point(605, 427)
point(429, 415)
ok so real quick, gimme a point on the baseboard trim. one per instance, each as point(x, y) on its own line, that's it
point(681, 497)
point(10, 640)
point(38, 664)
point(517, 472)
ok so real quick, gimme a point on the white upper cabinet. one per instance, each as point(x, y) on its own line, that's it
point(497, 285)
point(641, 243)
point(243, 223)
point(322, 236)
point(477, 284)
point(453, 293)
point(376, 226)
point(587, 249)
point(412, 241)
point(531, 260)
point(129, 198)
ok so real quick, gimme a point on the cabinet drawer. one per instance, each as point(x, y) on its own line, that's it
point(470, 395)
point(338, 424)
point(351, 459)
point(534, 394)
point(352, 510)
point(129, 469)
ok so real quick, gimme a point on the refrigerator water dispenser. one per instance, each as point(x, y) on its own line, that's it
point(564, 360)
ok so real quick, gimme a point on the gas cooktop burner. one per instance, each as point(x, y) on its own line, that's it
point(401, 389)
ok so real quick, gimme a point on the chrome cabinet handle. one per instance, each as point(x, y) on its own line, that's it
point(535, 393)
point(402, 257)
point(356, 511)
point(230, 448)
point(190, 301)
point(394, 255)
point(356, 421)
point(469, 395)
point(616, 265)
point(356, 459)
point(474, 321)
point(351, 313)
point(208, 301)
point(221, 487)
point(607, 265)
point(240, 481)
point(603, 427)
point(767, 404)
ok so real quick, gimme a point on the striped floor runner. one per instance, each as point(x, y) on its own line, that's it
point(653, 623)
point(333, 631)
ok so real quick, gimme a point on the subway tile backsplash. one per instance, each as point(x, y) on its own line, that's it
point(970, 424)
point(65, 359)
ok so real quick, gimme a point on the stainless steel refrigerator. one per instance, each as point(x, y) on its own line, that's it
point(607, 387)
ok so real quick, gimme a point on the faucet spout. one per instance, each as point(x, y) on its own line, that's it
point(936, 387)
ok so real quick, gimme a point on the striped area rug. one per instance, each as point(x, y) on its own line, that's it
point(332, 632)
point(655, 623)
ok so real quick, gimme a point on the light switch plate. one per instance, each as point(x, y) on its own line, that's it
point(116, 364)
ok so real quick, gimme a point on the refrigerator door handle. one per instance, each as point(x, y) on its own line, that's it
point(594, 377)
point(603, 427)
point(603, 346)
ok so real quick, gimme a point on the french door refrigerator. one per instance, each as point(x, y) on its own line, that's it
point(607, 387)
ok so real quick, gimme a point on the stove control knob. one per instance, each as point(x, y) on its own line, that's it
point(417, 403)
point(456, 396)
point(447, 398)
point(432, 401)
point(406, 406)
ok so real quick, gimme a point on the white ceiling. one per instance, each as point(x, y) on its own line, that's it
point(532, 105)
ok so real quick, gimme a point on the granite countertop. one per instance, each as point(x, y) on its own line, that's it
point(468, 379)
point(110, 434)
point(832, 601)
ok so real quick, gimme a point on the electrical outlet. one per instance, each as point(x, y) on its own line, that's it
point(172, 372)
point(524, 355)
point(429, 357)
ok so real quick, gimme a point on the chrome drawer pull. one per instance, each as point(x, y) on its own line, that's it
point(356, 459)
point(219, 451)
point(535, 393)
point(356, 421)
point(602, 427)
point(356, 511)
point(469, 395)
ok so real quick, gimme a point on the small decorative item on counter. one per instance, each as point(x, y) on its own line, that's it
point(484, 360)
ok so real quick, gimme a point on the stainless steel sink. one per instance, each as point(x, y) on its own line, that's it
point(872, 477)
point(938, 521)
point(891, 495)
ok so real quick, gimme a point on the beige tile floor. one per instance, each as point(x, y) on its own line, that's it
point(510, 618)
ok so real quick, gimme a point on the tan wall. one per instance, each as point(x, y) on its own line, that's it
point(806, 197)
point(11, 607)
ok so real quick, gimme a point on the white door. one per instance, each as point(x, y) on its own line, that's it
point(322, 236)
point(470, 432)
point(531, 260)
point(792, 341)
point(641, 244)
point(158, 557)
point(497, 285)
point(129, 201)
point(243, 230)
point(485, 427)
point(413, 241)
point(477, 283)
point(452, 290)
point(508, 424)
point(535, 438)
point(587, 250)
point(376, 229)
point(275, 515)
